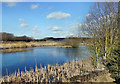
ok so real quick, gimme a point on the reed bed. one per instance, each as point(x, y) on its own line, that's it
point(14, 50)
point(10, 45)
point(58, 73)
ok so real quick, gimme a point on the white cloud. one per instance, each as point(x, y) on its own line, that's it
point(57, 32)
point(76, 26)
point(24, 25)
point(77, 30)
point(35, 29)
point(54, 28)
point(21, 20)
point(88, 15)
point(11, 4)
point(63, 34)
point(58, 15)
point(70, 35)
point(35, 26)
point(34, 6)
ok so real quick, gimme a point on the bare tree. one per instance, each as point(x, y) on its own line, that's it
point(101, 25)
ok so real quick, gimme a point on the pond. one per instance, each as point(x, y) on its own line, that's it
point(11, 62)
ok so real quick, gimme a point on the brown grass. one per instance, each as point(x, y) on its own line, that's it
point(15, 50)
point(9, 45)
point(51, 73)
point(60, 73)
point(12, 45)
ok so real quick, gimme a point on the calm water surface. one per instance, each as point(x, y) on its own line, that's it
point(41, 55)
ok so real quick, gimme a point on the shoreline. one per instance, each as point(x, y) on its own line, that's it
point(12, 45)
point(77, 70)
point(15, 50)
point(18, 45)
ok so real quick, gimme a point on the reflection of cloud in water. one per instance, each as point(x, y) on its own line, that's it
point(42, 55)
point(55, 53)
point(80, 53)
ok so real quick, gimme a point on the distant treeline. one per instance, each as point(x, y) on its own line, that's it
point(10, 37)
point(50, 39)
point(81, 39)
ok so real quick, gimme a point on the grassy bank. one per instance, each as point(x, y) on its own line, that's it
point(12, 45)
point(14, 50)
point(59, 73)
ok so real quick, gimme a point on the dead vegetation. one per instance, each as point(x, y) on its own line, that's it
point(10, 45)
point(59, 73)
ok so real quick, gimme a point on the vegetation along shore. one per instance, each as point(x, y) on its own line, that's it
point(9, 41)
point(76, 71)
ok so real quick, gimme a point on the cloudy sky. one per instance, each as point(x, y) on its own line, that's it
point(44, 19)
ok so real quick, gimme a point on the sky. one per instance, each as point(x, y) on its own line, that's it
point(44, 19)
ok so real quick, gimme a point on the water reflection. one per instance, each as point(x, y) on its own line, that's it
point(41, 55)
point(73, 53)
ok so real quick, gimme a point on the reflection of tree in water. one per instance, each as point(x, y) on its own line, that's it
point(80, 53)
